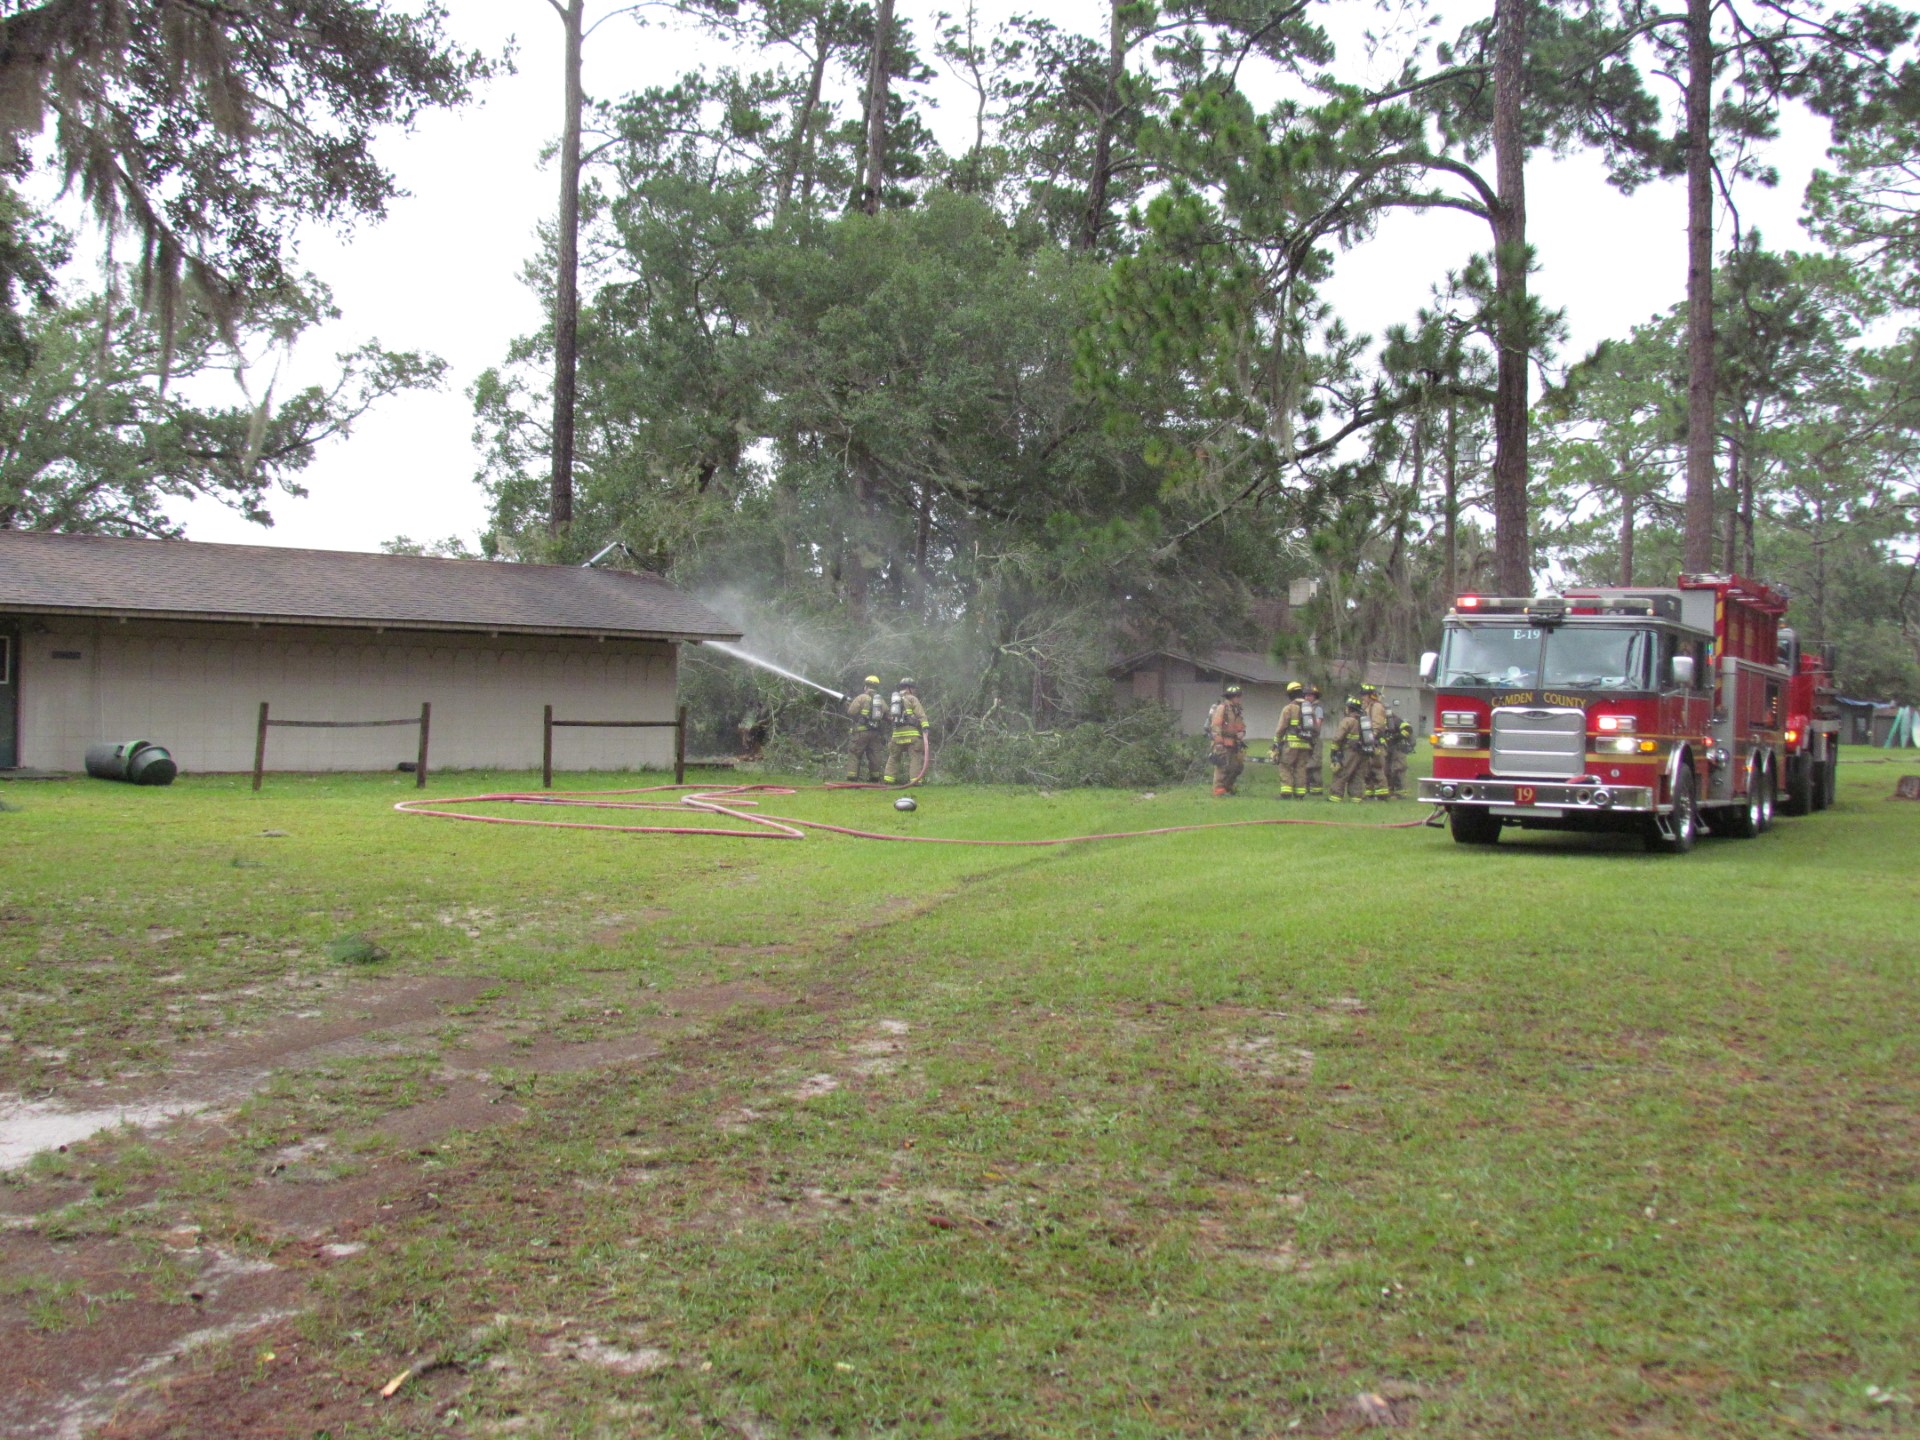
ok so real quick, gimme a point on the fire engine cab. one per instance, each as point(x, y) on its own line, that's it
point(1648, 710)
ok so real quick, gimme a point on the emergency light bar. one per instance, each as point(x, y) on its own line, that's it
point(1549, 608)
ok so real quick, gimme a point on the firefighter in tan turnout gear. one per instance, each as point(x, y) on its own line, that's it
point(1315, 717)
point(1227, 735)
point(1352, 752)
point(909, 719)
point(1400, 745)
point(1292, 744)
point(1379, 724)
point(867, 747)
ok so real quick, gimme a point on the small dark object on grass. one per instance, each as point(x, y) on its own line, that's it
point(408, 767)
point(273, 834)
point(1908, 788)
point(905, 802)
point(356, 950)
point(240, 862)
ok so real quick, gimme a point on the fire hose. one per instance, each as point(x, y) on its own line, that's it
point(736, 802)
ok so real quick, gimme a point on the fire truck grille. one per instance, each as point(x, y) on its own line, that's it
point(1539, 742)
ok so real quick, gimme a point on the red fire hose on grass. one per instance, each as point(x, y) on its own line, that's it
point(736, 801)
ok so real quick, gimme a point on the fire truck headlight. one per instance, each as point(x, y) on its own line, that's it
point(1460, 740)
point(1615, 724)
point(1618, 745)
point(1793, 737)
point(1459, 720)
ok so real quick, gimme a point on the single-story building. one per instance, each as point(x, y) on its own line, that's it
point(104, 640)
point(1868, 722)
point(1191, 684)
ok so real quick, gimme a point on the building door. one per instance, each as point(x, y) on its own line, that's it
point(9, 697)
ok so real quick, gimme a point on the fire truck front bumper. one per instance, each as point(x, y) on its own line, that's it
point(1579, 796)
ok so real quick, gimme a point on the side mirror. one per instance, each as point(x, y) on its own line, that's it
point(1429, 662)
point(1683, 671)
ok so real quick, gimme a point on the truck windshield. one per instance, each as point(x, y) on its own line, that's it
point(1490, 655)
point(1591, 659)
point(1568, 657)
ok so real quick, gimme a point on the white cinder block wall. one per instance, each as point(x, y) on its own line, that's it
point(197, 688)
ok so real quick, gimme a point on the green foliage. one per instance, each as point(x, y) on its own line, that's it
point(1140, 747)
point(103, 431)
point(214, 131)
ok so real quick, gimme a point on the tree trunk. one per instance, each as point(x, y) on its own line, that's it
point(1451, 513)
point(1626, 539)
point(803, 121)
point(1730, 554)
point(566, 289)
point(874, 173)
point(1095, 219)
point(1747, 554)
point(1698, 548)
point(1512, 553)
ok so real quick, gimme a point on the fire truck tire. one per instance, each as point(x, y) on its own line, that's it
point(1473, 826)
point(1685, 820)
point(1769, 793)
point(1803, 786)
point(1744, 821)
point(1826, 787)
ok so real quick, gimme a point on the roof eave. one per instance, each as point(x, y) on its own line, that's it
point(362, 622)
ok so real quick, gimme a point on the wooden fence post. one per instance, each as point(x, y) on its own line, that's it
point(680, 748)
point(260, 747)
point(420, 767)
point(546, 751)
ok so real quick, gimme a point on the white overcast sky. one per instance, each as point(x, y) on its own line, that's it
point(442, 272)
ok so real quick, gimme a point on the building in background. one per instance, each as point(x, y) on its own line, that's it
point(1191, 683)
point(104, 640)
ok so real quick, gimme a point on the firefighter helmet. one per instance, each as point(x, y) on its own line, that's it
point(1353, 702)
point(1294, 687)
point(906, 682)
point(871, 680)
point(1368, 688)
point(1313, 689)
point(1231, 691)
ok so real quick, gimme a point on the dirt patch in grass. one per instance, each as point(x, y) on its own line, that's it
point(89, 1322)
point(86, 1324)
point(197, 1081)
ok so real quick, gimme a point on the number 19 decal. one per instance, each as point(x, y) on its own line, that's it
point(1524, 794)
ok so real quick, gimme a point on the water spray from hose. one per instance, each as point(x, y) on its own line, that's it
point(763, 664)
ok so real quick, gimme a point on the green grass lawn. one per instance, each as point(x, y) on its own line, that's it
point(1202, 1134)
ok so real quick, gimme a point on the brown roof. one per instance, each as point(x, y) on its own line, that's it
point(188, 580)
point(1241, 665)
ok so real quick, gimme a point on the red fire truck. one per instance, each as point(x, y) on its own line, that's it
point(1638, 709)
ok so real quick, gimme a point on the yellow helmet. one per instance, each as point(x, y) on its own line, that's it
point(871, 680)
point(1294, 687)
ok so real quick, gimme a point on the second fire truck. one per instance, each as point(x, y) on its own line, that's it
point(1649, 709)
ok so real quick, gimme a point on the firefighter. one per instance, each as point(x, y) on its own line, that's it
point(1227, 734)
point(1314, 719)
point(1399, 747)
point(909, 718)
point(1291, 745)
point(1378, 722)
point(1351, 753)
point(867, 747)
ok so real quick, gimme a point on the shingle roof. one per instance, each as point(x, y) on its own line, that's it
point(189, 580)
point(1242, 665)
